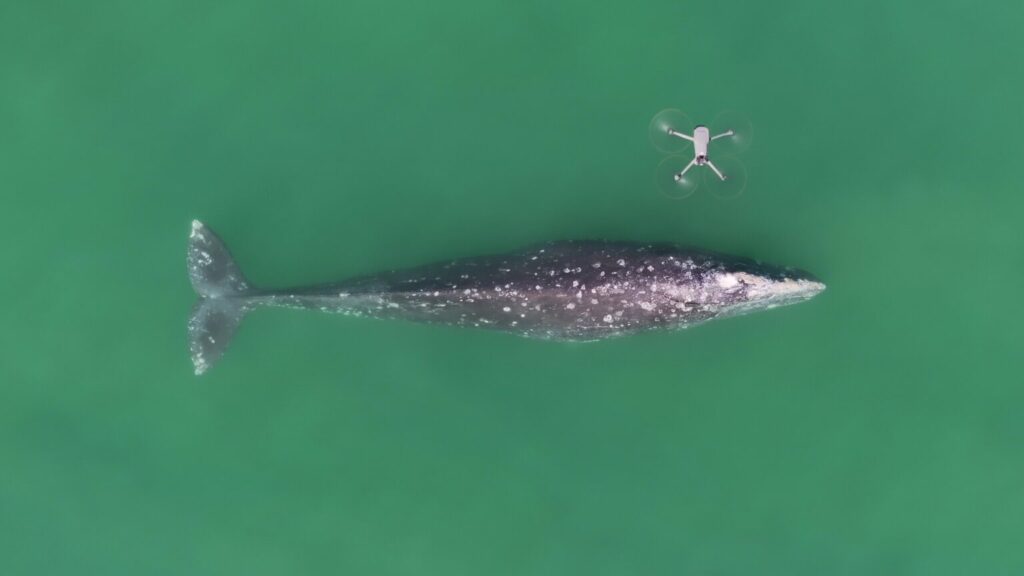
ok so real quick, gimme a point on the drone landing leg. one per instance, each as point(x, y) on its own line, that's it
point(685, 170)
point(715, 169)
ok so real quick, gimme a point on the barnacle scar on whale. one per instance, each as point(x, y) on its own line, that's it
point(575, 290)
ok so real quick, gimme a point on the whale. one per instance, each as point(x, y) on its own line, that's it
point(560, 291)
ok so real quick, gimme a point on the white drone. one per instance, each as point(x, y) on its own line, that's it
point(673, 132)
point(701, 138)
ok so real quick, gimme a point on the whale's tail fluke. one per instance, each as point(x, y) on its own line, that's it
point(211, 268)
point(213, 323)
point(223, 297)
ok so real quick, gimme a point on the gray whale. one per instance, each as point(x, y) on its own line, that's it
point(578, 291)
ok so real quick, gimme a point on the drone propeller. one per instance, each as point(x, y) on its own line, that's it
point(666, 121)
point(731, 128)
point(678, 176)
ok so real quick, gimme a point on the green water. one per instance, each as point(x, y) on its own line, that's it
point(874, 430)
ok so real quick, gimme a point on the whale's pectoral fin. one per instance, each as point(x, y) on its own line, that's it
point(213, 323)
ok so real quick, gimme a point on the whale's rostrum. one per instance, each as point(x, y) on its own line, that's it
point(575, 290)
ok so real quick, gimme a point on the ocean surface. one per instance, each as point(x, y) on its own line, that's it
point(876, 429)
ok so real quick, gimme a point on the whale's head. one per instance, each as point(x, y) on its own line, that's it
point(742, 285)
point(714, 285)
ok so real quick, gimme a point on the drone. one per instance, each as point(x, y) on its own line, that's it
point(701, 138)
point(673, 132)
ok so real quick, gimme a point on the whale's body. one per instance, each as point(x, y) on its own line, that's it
point(576, 291)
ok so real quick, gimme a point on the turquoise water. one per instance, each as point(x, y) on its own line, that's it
point(873, 430)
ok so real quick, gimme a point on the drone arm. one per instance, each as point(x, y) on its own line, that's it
point(685, 170)
point(715, 169)
point(672, 132)
point(723, 134)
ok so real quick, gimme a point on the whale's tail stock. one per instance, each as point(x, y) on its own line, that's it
point(223, 296)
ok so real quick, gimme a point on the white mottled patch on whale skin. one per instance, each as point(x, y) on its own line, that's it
point(197, 230)
point(727, 281)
